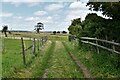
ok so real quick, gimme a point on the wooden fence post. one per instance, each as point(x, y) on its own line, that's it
point(3, 46)
point(113, 46)
point(14, 36)
point(97, 47)
point(38, 44)
point(30, 38)
point(42, 41)
point(33, 48)
point(46, 38)
point(23, 51)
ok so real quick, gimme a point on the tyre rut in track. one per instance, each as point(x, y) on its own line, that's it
point(79, 64)
point(61, 65)
point(47, 58)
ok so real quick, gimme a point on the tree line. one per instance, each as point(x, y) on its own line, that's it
point(96, 26)
point(99, 27)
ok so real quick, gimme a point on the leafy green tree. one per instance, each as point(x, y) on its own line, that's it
point(58, 32)
point(39, 27)
point(93, 25)
point(54, 32)
point(96, 26)
point(112, 10)
point(4, 30)
point(109, 9)
point(75, 26)
point(64, 32)
point(112, 26)
point(112, 30)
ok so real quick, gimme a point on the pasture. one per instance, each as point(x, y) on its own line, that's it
point(54, 60)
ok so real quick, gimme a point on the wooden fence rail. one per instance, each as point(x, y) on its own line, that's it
point(87, 41)
point(34, 46)
point(95, 39)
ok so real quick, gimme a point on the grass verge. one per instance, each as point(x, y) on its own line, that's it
point(40, 70)
point(100, 65)
point(12, 60)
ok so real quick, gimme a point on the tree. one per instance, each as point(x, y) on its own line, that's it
point(39, 27)
point(64, 32)
point(58, 32)
point(109, 9)
point(75, 26)
point(93, 25)
point(112, 29)
point(4, 30)
point(54, 32)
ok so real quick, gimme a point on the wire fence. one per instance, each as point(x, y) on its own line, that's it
point(34, 47)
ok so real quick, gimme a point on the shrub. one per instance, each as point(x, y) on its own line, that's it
point(54, 32)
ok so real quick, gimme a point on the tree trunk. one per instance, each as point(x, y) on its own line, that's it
point(5, 34)
point(37, 30)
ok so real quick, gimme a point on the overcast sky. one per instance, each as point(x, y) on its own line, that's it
point(24, 15)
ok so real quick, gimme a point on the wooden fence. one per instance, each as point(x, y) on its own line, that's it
point(36, 43)
point(88, 40)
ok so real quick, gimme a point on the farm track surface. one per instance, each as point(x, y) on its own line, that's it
point(53, 61)
point(84, 69)
point(61, 65)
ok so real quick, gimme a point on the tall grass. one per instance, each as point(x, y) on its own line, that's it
point(0, 57)
point(44, 63)
point(100, 65)
point(12, 57)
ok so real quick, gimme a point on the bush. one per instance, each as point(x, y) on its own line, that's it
point(58, 32)
point(54, 32)
point(64, 32)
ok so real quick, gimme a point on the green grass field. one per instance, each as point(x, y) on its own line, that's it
point(0, 58)
point(100, 65)
point(53, 59)
point(12, 56)
point(13, 64)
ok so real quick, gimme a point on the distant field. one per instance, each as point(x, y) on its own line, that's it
point(51, 36)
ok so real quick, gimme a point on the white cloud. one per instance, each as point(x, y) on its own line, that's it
point(72, 14)
point(81, 14)
point(4, 14)
point(31, 18)
point(54, 7)
point(18, 17)
point(40, 13)
point(33, 4)
point(78, 5)
point(45, 20)
point(78, 10)
point(17, 3)
point(22, 0)
point(33, 0)
point(40, 0)
point(49, 18)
